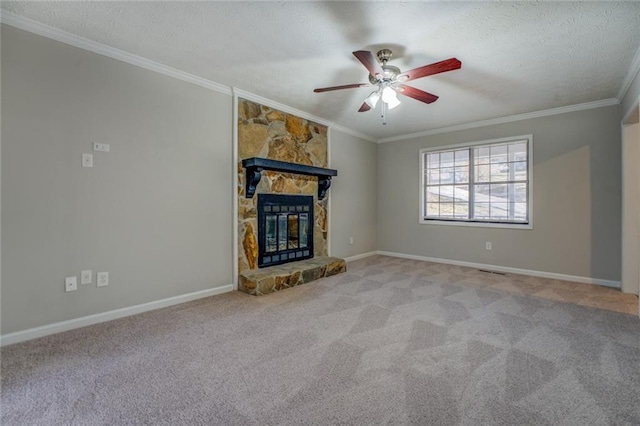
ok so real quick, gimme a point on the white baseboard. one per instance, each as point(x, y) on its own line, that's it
point(509, 270)
point(360, 256)
point(58, 327)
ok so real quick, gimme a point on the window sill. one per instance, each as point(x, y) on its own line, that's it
point(525, 226)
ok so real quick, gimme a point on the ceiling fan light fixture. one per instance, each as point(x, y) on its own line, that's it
point(372, 99)
point(394, 103)
point(390, 97)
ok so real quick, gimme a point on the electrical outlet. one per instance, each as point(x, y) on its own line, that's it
point(102, 279)
point(87, 160)
point(350, 240)
point(102, 147)
point(487, 245)
point(70, 284)
point(85, 277)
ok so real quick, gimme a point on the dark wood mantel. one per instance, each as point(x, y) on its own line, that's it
point(255, 165)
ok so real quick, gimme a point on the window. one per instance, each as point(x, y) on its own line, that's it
point(485, 183)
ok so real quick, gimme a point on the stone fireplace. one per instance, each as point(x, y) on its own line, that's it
point(269, 134)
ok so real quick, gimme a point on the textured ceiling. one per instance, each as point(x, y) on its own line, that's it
point(517, 57)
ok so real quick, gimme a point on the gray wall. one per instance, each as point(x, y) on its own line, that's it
point(353, 195)
point(577, 198)
point(631, 98)
point(155, 212)
point(0, 184)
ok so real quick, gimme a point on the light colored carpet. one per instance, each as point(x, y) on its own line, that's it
point(392, 341)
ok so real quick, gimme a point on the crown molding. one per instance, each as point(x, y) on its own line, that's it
point(41, 29)
point(284, 108)
point(507, 119)
point(47, 31)
point(348, 131)
point(631, 74)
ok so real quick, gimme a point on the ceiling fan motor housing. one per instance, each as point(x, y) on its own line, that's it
point(389, 71)
point(384, 55)
point(389, 75)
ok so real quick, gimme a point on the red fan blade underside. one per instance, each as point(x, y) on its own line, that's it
point(417, 94)
point(435, 68)
point(346, 86)
point(369, 61)
point(365, 107)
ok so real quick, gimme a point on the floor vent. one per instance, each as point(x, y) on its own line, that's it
point(491, 272)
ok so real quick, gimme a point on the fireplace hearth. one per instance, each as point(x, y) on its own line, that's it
point(285, 228)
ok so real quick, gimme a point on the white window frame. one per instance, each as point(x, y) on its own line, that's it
point(421, 212)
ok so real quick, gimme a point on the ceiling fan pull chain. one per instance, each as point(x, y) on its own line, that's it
point(384, 118)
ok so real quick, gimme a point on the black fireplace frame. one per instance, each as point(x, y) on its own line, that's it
point(266, 259)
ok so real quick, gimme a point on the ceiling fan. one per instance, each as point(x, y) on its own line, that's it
point(389, 80)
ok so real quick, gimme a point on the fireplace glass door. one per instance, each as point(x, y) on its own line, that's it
point(285, 228)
